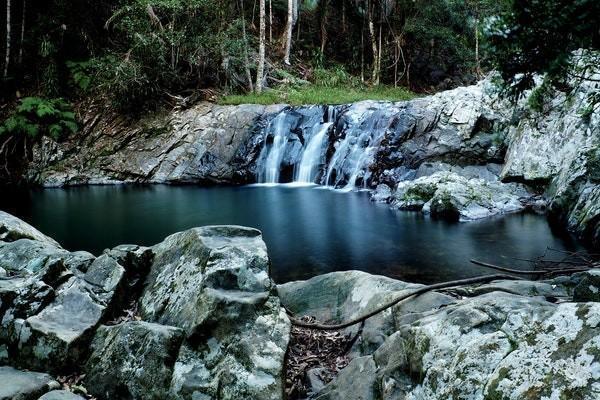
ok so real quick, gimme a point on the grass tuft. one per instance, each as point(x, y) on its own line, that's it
point(312, 94)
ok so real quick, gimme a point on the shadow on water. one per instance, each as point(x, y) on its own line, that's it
point(308, 230)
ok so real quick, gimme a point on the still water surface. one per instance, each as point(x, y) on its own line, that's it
point(308, 231)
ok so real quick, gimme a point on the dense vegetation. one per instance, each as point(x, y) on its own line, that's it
point(140, 55)
point(143, 52)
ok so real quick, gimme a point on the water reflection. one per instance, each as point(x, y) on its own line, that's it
point(308, 230)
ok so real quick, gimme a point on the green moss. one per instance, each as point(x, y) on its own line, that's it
point(422, 193)
point(492, 392)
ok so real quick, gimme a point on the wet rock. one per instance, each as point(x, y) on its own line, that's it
point(132, 360)
point(24, 385)
point(198, 144)
point(61, 395)
point(451, 196)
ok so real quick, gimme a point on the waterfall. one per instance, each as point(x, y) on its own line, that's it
point(365, 128)
point(313, 152)
point(296, 140)
point(275, 153)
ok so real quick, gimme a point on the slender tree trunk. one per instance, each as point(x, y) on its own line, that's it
point(22, 32)
point(246, 59)
point(477, 61)
point(260, 70)
point(324, 26)
point(288, 32)
point(379, 53)
point(270, 21)
point(374, 73)
point(7, 54)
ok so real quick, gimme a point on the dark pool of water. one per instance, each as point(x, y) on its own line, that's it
point(308, 231)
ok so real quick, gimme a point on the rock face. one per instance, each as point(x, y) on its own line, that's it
point(209, 324)
point(560, 147)
point(194, 145)
point(502, 340)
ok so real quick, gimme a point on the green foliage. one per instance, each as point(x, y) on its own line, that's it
point(312, 94)
point(35, 117)
point(334, 77)
point(539, 96)
point(539, 37)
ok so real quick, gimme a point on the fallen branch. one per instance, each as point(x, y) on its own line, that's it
point(512, 271)
point(421, 290)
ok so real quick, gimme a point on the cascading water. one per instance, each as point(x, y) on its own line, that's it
point(365, 127)
point(275, 152)
point(311, 158)
point(296, 142)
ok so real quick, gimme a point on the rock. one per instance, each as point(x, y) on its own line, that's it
point(198, 144)
point(61, 395)
point(52, 301)
point(24, 385)
point(559, 149)
point(451, 196)
point(213, 283)
point(132, 360)
point(235, 360)
point(315, 380)
point(206, 275)
point(588, 288)
point(341, 296)
point(495, 345)
point(356, 381)
point(12, 228)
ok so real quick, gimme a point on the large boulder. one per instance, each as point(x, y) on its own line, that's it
point(341, 296)
point(213, 283)
point(24, 385)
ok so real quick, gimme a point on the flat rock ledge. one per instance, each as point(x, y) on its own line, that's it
point(197, 317)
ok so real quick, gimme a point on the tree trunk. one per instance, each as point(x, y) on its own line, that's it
point(375, 71)
point(477, 61)
point(22, 32)
point(245, 38)
point(7, 54)
point(270, 21)
point(324, 26)
point(288, 32)
point(260, 70)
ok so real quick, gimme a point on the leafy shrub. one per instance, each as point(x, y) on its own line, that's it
point(36, 117)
